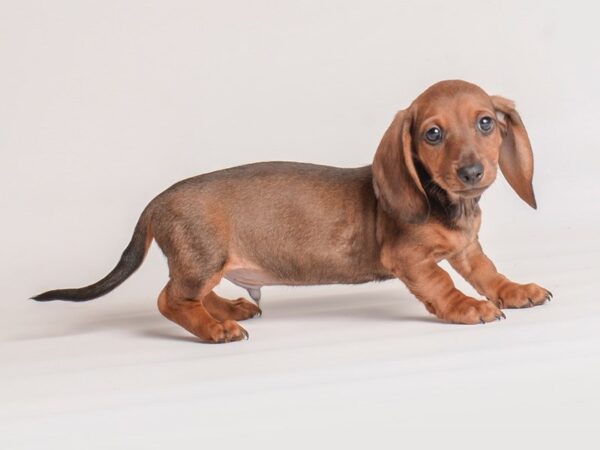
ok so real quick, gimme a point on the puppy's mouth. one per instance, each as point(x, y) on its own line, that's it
point(471, 192)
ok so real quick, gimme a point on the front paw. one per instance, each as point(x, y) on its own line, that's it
point(467, 310)
point(513, 295)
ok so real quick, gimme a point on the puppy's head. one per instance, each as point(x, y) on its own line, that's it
point(455, 136)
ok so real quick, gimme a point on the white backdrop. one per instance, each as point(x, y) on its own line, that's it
point(103, 104)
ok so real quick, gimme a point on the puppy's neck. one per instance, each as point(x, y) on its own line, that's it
point(453, 212)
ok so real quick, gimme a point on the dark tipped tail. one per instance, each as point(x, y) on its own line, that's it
point(130, 261)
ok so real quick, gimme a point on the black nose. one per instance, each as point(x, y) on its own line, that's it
point(471, 174)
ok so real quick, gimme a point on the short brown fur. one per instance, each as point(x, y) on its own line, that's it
point(303, 224)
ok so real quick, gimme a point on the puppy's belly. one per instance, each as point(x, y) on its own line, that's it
point(251, 277)
point(311, 269)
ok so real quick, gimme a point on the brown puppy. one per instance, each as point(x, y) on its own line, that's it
point(302, 224)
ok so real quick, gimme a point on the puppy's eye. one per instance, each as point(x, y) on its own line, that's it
point(434, 135)
point(485, 124)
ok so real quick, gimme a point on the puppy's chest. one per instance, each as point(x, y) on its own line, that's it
point(443, 242)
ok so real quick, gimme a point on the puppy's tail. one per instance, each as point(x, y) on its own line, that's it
point(130, 261)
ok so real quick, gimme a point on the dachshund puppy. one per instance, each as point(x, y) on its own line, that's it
point(286, 223)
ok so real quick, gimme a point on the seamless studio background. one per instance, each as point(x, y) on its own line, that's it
point(105, 103)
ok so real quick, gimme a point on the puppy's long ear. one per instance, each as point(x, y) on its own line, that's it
point(397, 185)
point(516, 157)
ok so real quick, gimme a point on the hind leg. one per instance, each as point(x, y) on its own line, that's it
point(223, 309)
point(183, 303)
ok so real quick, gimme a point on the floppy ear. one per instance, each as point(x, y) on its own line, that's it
point(516, 157)
point(397, 185)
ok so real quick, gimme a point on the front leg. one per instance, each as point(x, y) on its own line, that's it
point(480, 272)
point(434, 287)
